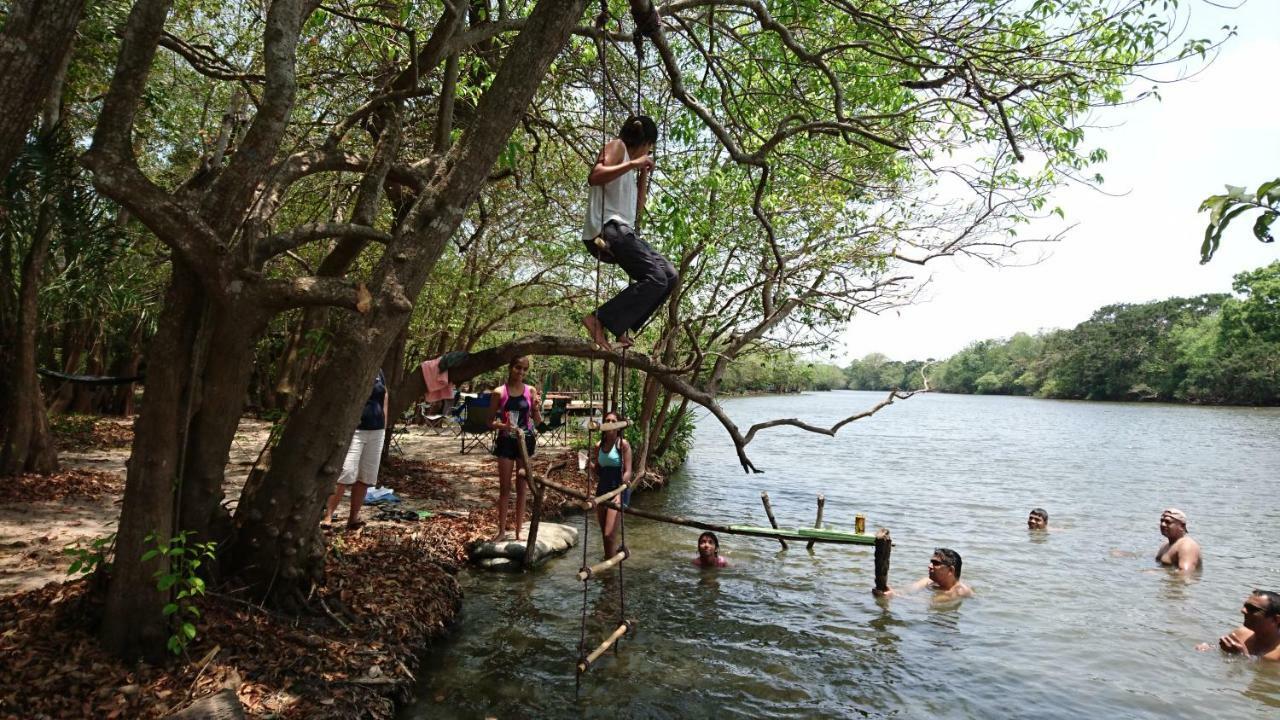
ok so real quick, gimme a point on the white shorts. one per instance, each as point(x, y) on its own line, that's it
point(363, 457)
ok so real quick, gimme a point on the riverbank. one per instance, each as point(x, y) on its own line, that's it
point(389, 590)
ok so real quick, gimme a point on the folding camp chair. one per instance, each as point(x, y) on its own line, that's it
point(475, 429)
point(396, 430)
point(554, 428)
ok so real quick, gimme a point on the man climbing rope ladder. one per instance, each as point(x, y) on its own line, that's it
point(619, 183)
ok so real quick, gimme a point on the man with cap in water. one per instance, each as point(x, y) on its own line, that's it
point(1180, 549)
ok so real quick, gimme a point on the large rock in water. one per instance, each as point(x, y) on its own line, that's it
point(553, 539)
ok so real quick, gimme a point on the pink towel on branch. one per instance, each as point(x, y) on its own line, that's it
point(437, 380)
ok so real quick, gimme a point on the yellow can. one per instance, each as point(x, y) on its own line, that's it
point(860, 524)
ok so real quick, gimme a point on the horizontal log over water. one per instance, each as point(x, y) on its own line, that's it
point(587, 573)
point(604, 646)
point(606, 427)
point(699, 525)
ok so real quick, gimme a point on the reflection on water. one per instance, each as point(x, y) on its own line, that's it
point(1075, 622)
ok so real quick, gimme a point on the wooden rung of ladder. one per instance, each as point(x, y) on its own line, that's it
point(606, 427)
point(588, 572)
point(625, 627)
point(606, 497)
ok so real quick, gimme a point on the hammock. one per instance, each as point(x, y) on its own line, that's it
point(91, 379)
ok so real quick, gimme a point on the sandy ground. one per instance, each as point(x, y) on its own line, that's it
point(34, 535)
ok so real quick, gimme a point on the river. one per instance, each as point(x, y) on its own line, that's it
point(1076, 622)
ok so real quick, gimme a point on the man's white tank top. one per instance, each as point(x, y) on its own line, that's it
point(618, 199)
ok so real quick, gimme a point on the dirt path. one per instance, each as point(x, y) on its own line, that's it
point(35, 532)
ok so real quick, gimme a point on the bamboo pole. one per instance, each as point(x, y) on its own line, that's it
point(768, 510)
point(884, 546)
point(593, 502)
point(606, 427)
point(604, 646)
point(817, 523)
point(684, 522)
point(588, 572)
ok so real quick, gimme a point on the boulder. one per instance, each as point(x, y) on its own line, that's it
point(553, 539)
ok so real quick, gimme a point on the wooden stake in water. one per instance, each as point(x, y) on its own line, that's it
point(884, 545)
point(817, 523)
point(768, 510)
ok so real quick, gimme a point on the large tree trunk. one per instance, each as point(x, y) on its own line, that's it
point(278, 545)
point(134, 626)
point(37, 36)
point(216, 415)
point(28, 445)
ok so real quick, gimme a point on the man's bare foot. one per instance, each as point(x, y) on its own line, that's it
point(596, 331)
point(625, 341)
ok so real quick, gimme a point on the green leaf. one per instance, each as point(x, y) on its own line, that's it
point(150, 555)
point(166, 582)
point(169, 609)
point(1269, 191)
point(1262, 226)
point(175, 644)
point(195, 612)
point(75, 566)
point(189, 630)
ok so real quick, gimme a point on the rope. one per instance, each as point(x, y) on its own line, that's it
point(622, 517)
point(602, 20)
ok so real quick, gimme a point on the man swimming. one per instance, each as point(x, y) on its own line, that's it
point(1038, 519)
point(1180, 549)
point(1259, 636)
point(943, 578)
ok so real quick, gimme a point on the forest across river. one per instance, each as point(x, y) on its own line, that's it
point(1075, 622)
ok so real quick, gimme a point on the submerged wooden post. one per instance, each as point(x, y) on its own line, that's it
point(768, 510)
point(536, 516)
point(817, 524)
point(883, 547)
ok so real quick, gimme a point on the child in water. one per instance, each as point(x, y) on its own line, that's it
point(709, 552)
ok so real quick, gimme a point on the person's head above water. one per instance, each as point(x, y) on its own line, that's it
point(1262, 605)
point(944, 567)
point(639, 131)
point(1173, 523)
point(1038, 519)
point(708, 545)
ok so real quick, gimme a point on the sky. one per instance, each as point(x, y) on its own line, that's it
point(1139, 239)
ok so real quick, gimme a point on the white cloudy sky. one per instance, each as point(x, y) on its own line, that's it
point(1140, 241)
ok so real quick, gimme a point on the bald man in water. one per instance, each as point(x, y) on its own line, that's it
point(1180, 550)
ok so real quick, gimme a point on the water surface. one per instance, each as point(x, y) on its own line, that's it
point(1078, 622)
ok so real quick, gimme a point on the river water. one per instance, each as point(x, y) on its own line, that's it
point(1077, 622)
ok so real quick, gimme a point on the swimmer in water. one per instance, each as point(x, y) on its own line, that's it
point(1259, 637)
point(943, 579)
point(709, 552)
point(1180, 550)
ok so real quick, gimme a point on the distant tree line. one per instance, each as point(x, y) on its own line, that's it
point(1215, 348)
point(780, 371)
